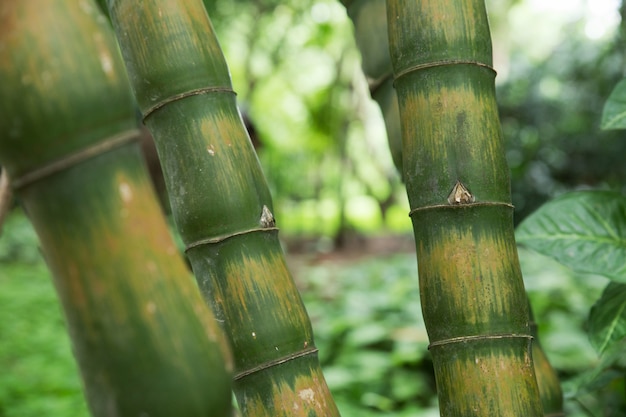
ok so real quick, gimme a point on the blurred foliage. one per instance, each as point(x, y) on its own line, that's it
point(372, 348)
point(550, 117)
point(39, 376)
point(614, 114)
point(561, 300)
point(296, 69)
point(366, 315)
point(585, 231)
point(297, 73)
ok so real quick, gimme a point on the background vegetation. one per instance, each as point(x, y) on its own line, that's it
point(366, 315)
point(322, 145)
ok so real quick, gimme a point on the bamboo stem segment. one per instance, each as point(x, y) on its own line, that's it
point(221, 204)
point(145, 342)
point(547, 378)
point(472, 293)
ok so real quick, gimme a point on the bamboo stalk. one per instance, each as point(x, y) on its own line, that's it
point(221, 204)
point(472, 292)
point(547, 378)
point(145, 341)
point(370, 22)
point(370, 31)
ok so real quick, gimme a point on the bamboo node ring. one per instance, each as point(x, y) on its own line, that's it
point(218, 239)
point(463, 339)
point(426, 65)
point(195, 92)
point(75, 158)
point(275, 362)
point(459, 206)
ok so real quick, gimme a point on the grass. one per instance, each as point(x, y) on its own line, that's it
point(39, 376)
point(365, 313)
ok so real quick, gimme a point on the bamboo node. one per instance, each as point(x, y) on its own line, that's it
point(460, 194)
point(276, 362)
point(75, 158)
point(427, 65)
point(218, 239)
point(176, 97)
point(457, 206)
point(464, 339)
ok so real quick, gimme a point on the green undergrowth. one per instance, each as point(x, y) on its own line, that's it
point(365, 313)
point(38, 374)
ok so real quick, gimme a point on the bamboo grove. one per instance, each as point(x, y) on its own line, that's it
point(146, 340)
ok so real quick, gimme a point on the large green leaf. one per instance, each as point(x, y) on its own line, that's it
point(614, 113)
point(584, 230)
point(607, 318)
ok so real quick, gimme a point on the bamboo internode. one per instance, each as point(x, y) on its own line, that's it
point(145, 341)
point(221, 204)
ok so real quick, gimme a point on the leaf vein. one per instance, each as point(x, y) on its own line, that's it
point(601, 220)
point(573, 236)
point(612, 327)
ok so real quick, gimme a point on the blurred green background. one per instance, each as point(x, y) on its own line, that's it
point(365, 310)
point(342, 208)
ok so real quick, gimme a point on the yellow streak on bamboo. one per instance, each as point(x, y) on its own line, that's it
point(136, 216)
point(463, 13)
point(547, 380)
point(307, 394)
point(185, 56)
point(467, 373)
point(468, 269)
point(227, 145)
point(446, 119)
point(266, 281)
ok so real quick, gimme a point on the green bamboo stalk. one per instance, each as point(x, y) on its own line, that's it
point(370, 23)
point(547, 378)
point(370, 31)
point(145, 341)
point(221, 204)
point(473, 297)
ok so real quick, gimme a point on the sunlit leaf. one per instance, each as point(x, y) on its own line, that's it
point(607, 318)
point(614, 113)
point(584, 230)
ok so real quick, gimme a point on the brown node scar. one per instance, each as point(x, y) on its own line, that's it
point(267, 218)
point(460, 194)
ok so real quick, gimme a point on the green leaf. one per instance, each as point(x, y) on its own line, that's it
point(607, 318)
point(605, 371)
point(614, 113)
point(584, 230)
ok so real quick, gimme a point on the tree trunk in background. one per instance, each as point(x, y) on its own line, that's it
point(145, 341)
point(221, 204)
point(473, 297)
point(547, 378)
point(370, 26)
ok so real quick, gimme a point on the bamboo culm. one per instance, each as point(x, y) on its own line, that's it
point(473, 297)
point(370, 25)
point(221, 204)
point(145, 341)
